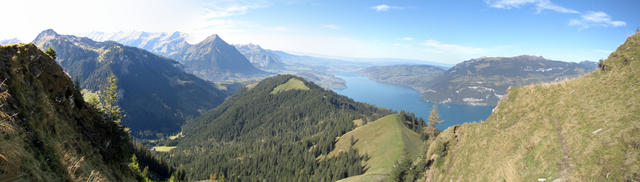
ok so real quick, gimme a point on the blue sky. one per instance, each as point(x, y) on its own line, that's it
point(434, 30)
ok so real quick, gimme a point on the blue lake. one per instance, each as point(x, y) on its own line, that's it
point(400, 98)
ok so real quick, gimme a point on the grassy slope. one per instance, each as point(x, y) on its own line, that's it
point(52, 134)
point(292, 84)
point(581, 130)
point(386, 141)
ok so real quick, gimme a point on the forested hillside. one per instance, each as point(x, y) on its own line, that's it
point(275, 131)
point(577, 130)
point(418, 77)
point(157, 95)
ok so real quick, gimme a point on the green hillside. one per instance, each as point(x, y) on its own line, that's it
point(385, 141)
point(258, 134)
point(47, 132)
point(578, 130)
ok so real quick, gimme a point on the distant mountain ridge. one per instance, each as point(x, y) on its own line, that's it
point(481, 81)
point(10, 41)
point(418, 77)
point(212, 59)
point(156, 93)
point(484, 81)
point(165, 44)
point(260, 57)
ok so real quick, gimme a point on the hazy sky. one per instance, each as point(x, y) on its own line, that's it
point(435, 30)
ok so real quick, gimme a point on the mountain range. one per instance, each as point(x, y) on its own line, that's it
point(211, 59)
point(481, 81)
point(156, 93)
point(175, 46)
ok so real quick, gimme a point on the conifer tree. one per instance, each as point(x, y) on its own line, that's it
point(434, 117)
point(110, 97)
point(51, 52)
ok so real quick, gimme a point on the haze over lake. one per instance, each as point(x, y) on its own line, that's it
point(399, 98)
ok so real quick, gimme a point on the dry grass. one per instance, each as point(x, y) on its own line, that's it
point(163, 148)
point(250, 86)
point(358, 122)
point(11, 151)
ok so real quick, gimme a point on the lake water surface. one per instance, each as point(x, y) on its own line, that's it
point(399, 98)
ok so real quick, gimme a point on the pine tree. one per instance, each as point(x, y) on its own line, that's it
point(51, 52)
point(434, 117)
point(110, 97)
point(4, 95)
point(76, 84)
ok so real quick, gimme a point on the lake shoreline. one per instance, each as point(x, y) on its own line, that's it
point(404, 98)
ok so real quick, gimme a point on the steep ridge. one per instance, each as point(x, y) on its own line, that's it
point(577, 130)
point(274, 131)
point(157, 94)
point(47, 132)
